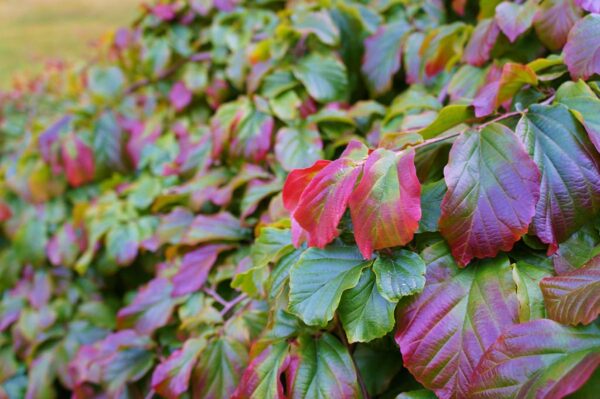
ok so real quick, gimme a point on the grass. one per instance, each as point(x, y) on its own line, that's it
point(32, 31)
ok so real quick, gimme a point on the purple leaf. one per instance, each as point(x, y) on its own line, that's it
point(514, 19)
point(194, 269)
point(222, 226)
point(180, 96)
point(150, 309)
point(491, 196)
point(582, 51)
point(540, 359)
point(445, 330)
point(570, 167)
point(481, 43)
point(589, 5)
point(554, 20)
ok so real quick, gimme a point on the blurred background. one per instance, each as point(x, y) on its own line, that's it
point(34, 31)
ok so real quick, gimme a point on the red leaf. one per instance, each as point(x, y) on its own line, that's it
point(297, 181)
point(539, 359)
point(574, 297)
point(386, 204)
point(323, 202)
point(481, 43)
point(78, 160)
point(493, 187)
point(194, 269)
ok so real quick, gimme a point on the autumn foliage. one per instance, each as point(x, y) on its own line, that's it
point(334, 199)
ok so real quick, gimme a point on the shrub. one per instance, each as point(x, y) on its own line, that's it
point(299, 199)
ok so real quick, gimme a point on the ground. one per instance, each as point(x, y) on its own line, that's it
point(32, 31)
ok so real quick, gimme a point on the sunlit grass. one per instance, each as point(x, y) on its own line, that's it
point(32, 31)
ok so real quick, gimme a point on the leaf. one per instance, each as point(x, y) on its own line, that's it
point(589, 5)
point(385, 206)
point(151, 308)
point(78, 160)
point(383, 53)
point(491, 195)
point(262, 378)
point(323, 76)
point(271, 244)
point(574, 297)
point(324, 370)
point(174, 225)
point(180, 96)
point(570, 188)
point(122, 241)
point(514, 19)
point(108, 145)
point(553, 22)
point(552, 361)
point(431, 203)
point(105, 82)
point(318, 23)
point(194, 269)
point(577, 250)
point(578, 96)
point(318, 280)
point(323, 201)
point(444, 331)
point(442, 46)
point(400, 273)
point(377, 365)
point(299, 147)
point(171, 377)
point(501, 89)
point(364, 313)
point(450, 116)
point(252, 139)
point(531, 301)
point(222, 226)
point(219, 369)
point(481, 43)
point(418, 394)
point(582, 51)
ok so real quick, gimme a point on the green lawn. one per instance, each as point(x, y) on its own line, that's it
point(32, 31)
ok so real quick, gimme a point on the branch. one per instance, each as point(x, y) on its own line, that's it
point(230, 305)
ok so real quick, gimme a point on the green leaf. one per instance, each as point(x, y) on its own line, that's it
point(219, 369)
point(431, 202)
point(448, 117)
point(377, 363)
point(298, 147)
point(318, 23)
point(364, 313)
point(531, 301)
point(399, 273)
point(105, 82)
point(324, 77)
point(325, 370)
point(581, 100)
point(318, 280)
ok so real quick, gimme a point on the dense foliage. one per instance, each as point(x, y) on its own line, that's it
point(308, 199)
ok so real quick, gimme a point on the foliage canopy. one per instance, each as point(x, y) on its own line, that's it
point(332, 199)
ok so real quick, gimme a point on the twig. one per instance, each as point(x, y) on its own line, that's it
point(215, 296)
point(163, 75)
point(230, 305)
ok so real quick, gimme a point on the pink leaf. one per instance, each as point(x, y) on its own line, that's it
point(194, 269)
point(180, 96)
